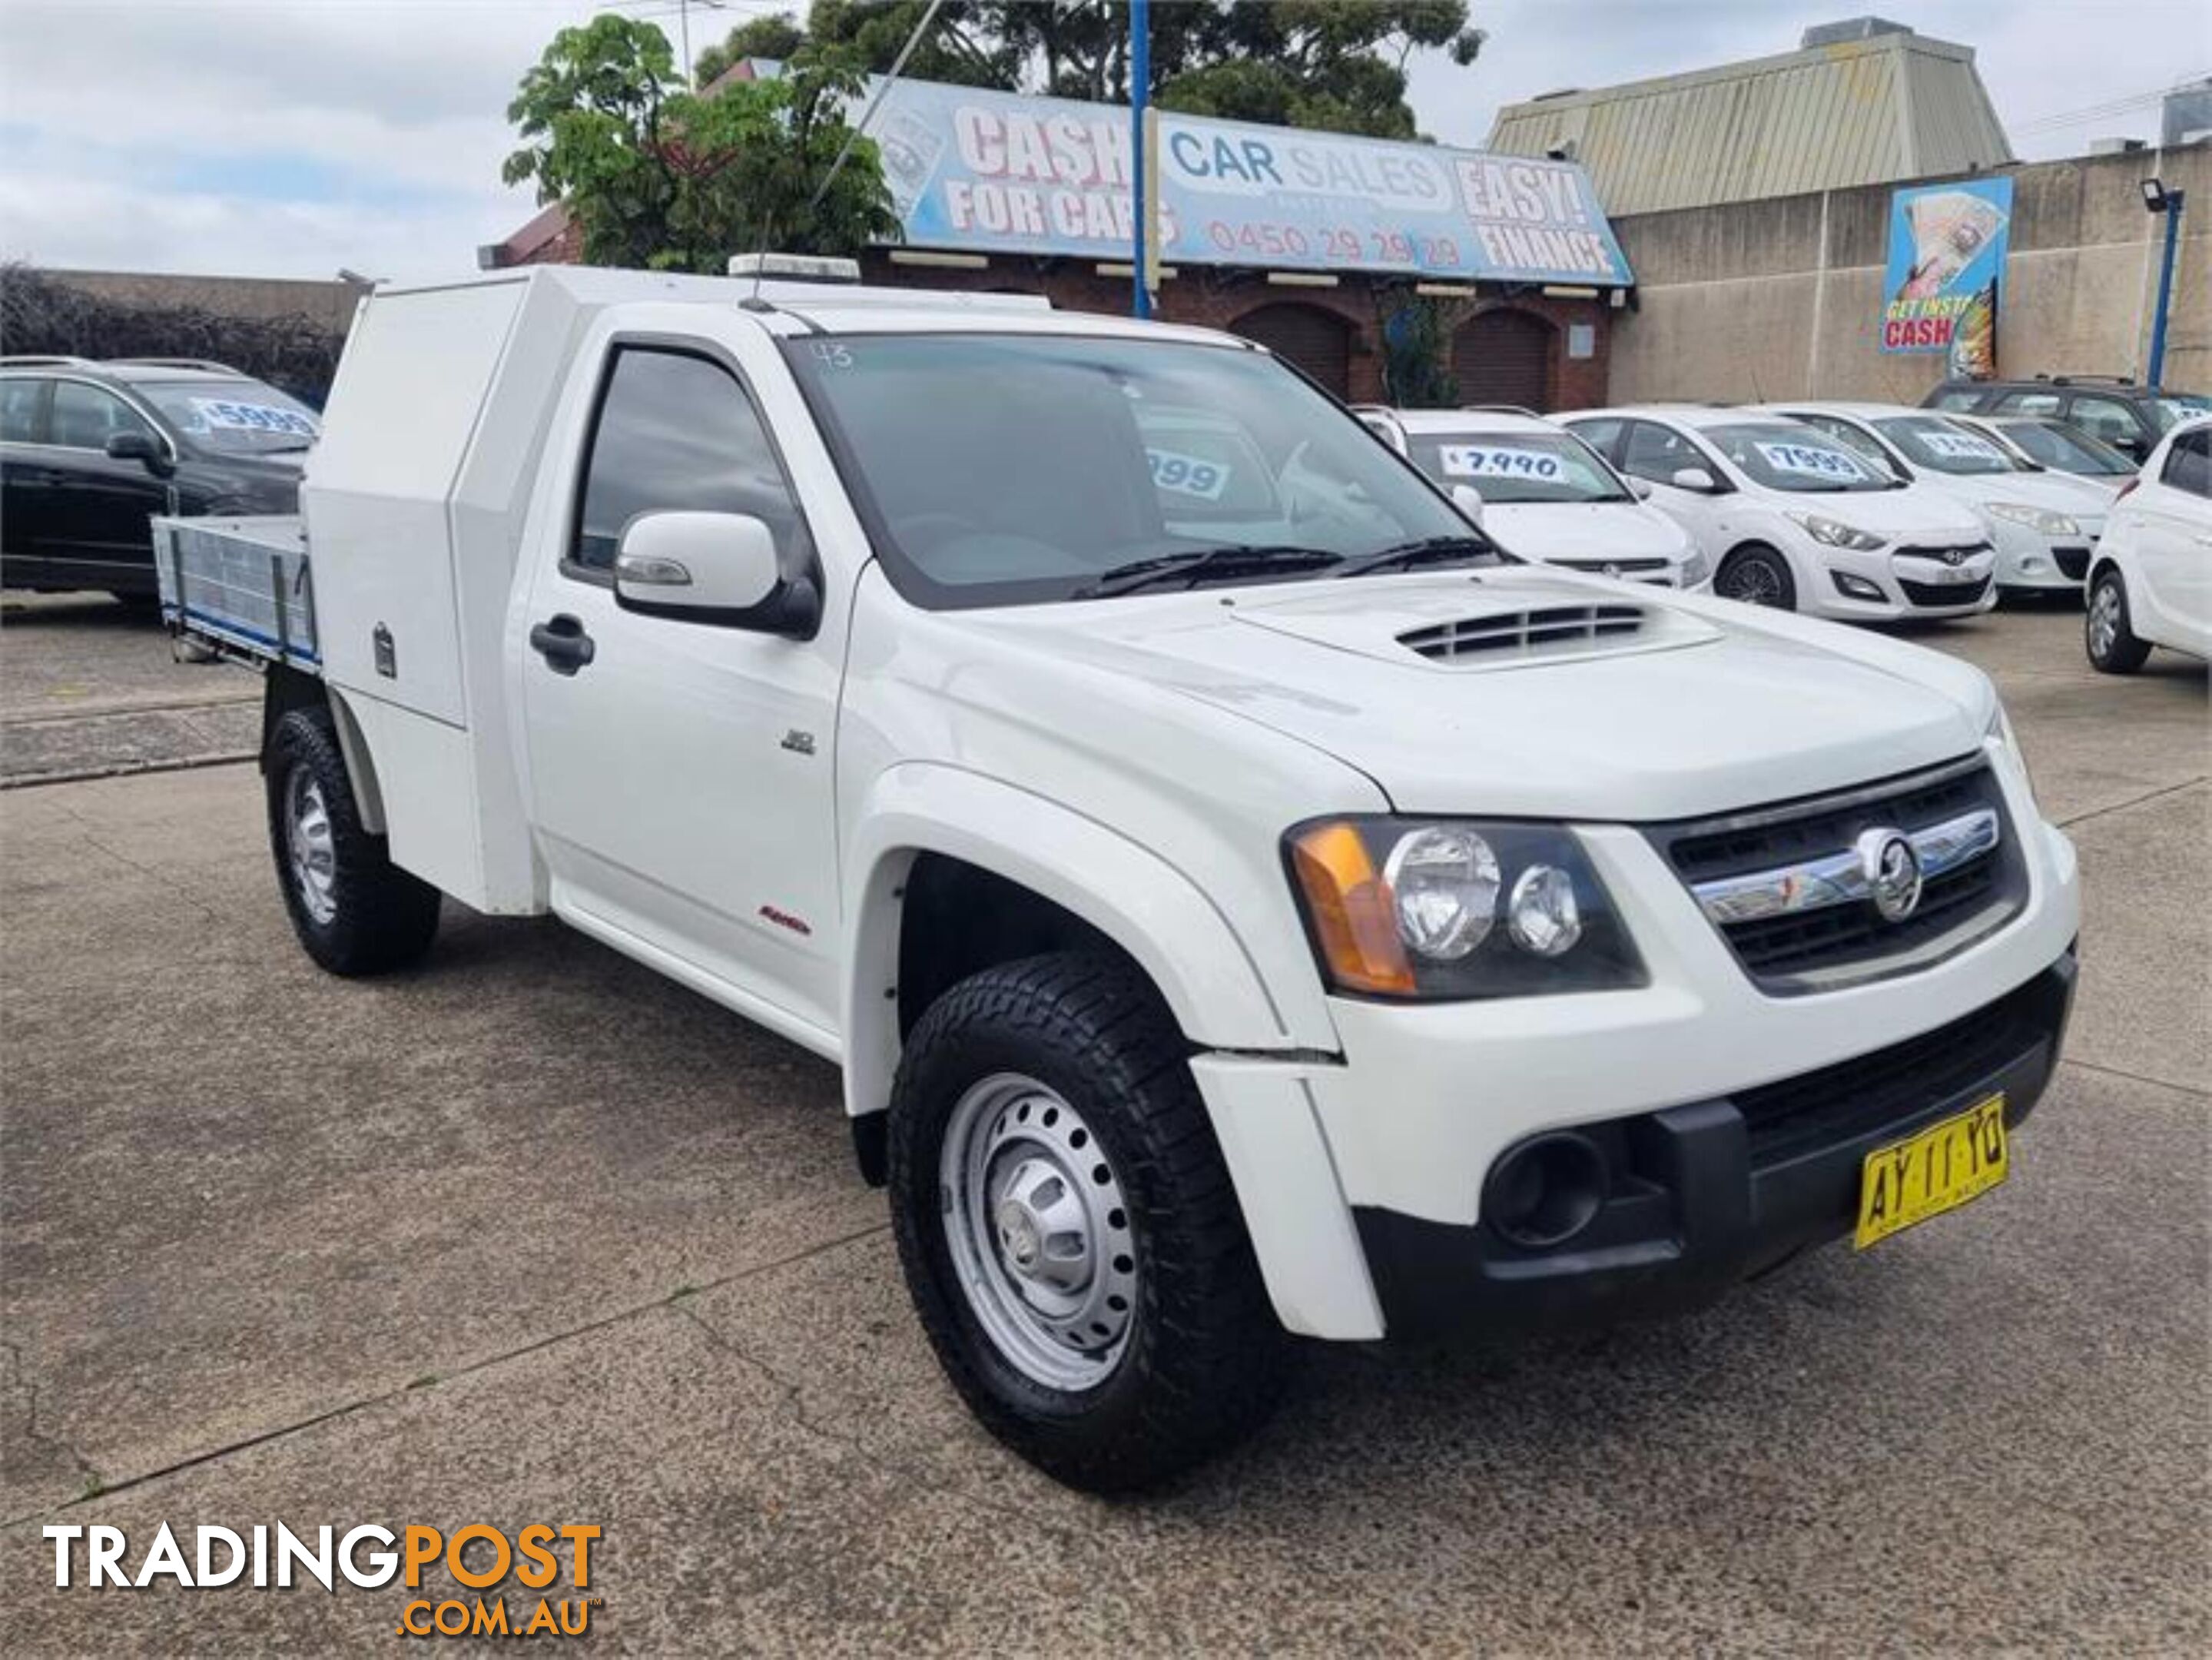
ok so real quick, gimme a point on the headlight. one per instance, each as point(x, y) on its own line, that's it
point(1693, 570)
point(2043, 523)
point(1834, 534)
point(1456, 908)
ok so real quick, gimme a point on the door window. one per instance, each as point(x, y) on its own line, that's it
point(1602, 436)
point(18, 409)
point(1959, 398)
point(1658, 452)
point(2189, 464)
point(84, 417)
point(2029, 403)
point(678, 433)
point(2107, 419)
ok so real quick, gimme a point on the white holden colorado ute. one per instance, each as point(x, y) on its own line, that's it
point(1241, 900)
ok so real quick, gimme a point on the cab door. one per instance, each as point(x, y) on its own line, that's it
point(681, 771)
point(2173, 546)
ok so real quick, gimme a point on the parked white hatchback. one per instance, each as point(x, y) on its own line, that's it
point(2058, 445)
point(1540, 492)
point(2043, 524)
point(1795, 520)
point(2152, 583)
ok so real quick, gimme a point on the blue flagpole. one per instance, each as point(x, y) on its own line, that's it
point(1141, 85)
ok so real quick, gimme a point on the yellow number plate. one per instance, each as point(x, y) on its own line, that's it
point(1938, 1170)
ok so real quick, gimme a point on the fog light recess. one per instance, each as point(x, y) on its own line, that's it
point(1545, 1191)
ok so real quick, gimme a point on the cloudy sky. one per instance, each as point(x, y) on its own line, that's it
point(290, 137)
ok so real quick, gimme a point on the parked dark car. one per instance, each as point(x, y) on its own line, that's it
point(2129, 418)
point(89, 451)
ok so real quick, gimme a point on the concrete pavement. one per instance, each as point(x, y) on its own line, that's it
point(88, 688)
point(534, 1235)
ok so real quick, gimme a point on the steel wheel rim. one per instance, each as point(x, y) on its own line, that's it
point(310, 846)
point(1754, 582)
point(1038, 1229)
point(2105, 618)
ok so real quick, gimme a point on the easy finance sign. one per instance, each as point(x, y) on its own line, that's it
point(995, 173)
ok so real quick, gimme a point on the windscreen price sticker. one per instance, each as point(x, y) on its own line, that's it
point(1960, 447)
point(252, 417)
point(1480, 462)
point(1811, 462)
point(1187, 475)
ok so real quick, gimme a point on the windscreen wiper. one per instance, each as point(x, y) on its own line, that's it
point(1429, 551)
point(1228, 561)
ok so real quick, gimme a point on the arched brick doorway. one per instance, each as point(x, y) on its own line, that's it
point(1506, 356)
point(1318, 340)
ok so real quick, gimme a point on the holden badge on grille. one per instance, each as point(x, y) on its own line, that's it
point(1892, 873)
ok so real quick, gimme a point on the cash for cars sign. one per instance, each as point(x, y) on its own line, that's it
point(995, 173)
point(1947, 246)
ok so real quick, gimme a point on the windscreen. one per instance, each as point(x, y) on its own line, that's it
point(2069, 449)
point(1786, 455)
point(235, 418)
point(1509, 467)
point(1940, 446)
point(1011, 469)
point(2175, 407)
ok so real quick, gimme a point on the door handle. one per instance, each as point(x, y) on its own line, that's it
point(562, 642)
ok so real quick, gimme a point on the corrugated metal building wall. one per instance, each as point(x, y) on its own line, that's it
point(1892, 104)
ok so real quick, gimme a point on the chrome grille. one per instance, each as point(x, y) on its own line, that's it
point(1785, 886)
point(1524, 633)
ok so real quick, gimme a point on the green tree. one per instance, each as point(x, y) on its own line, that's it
point(659, 177)
point(775, 37)
point(1337, 64)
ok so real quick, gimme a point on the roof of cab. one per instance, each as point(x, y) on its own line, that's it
point(824, 307)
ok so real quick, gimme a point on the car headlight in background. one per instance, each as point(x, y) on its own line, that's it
point(1693, 570)
point(1834, 534)
point(2038, 519)
point(1456, 908)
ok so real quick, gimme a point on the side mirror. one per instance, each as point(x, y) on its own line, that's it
point(1640, 488)
point(1469, 501)
point(1695, 478)
point(711, 568)
point(140, 447)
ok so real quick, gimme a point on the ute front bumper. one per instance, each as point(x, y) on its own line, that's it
point(1362, 1178)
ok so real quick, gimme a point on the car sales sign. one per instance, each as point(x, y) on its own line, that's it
point(995, 173)
point(1947, 245)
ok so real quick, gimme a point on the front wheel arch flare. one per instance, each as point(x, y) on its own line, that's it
point(1145, 907)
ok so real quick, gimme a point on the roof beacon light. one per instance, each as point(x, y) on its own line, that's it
point(795, 267)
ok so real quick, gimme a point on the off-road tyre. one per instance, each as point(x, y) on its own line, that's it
point(1204, 1356)
point(381, 917)
point(2108, 628)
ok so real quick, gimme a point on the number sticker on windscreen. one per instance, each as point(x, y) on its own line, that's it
point(1812, 462)
point(1489, 461)
point(1960, 447)
point(252, 417)
point(1187, 475)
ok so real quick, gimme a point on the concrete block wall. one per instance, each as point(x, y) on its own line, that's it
point(1783, 297)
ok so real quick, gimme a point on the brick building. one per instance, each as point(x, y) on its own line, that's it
point(1031, 195)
